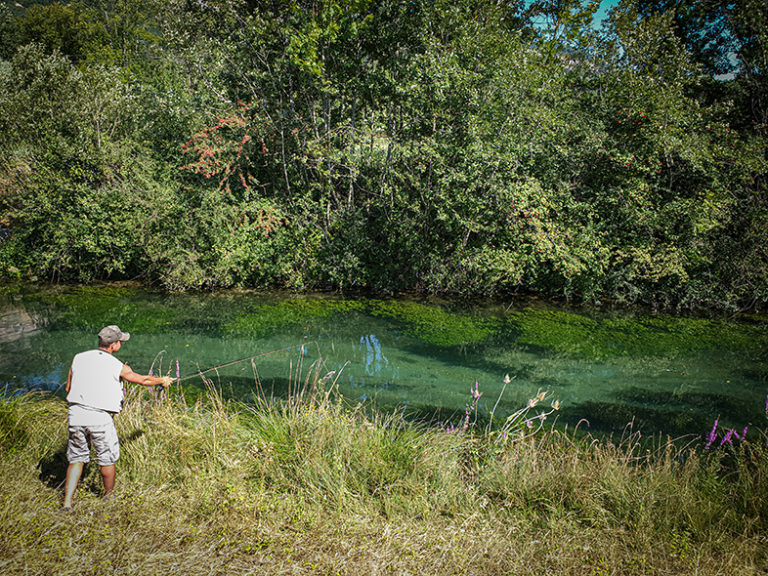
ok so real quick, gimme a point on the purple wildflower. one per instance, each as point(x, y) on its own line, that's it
point(727, 438)
point(712, 436)
point(177, 369)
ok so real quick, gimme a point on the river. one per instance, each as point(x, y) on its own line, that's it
point(667, 374)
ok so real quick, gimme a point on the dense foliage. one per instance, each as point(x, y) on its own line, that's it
point(468, 147)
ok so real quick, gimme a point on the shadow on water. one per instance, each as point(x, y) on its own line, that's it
point(650, 412)
point(245, 390)
point(478, 356)
point(607, 417)
point(655, 412)
point(697, 401)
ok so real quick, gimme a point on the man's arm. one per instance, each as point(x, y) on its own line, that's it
point(130, 376)
point(69, 381)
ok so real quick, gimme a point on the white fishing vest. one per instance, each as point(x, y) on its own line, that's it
point(96, 381)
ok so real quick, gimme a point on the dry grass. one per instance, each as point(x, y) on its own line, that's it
point(310, 486)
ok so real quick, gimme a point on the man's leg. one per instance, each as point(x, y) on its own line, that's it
point(78, 453)
point(73, 477)
point(108, 451)
point(108, 477)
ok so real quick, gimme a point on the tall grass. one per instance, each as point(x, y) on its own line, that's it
point(313, 485)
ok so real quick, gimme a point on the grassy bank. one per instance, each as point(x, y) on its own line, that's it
point(313, 486)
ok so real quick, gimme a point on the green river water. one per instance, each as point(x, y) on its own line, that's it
point(666, 374)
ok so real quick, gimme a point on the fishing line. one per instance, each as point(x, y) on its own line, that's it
point(225, 364)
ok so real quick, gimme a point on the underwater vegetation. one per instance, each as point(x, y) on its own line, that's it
point(435, 325)
point(428, 323)
point(560, 332)
point(576, 335)
point(91, 307)
point(682, 371)
point(266, 319)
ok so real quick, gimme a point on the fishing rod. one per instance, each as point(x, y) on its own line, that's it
point(231, 363)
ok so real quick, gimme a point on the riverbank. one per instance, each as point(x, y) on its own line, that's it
point(310, 485)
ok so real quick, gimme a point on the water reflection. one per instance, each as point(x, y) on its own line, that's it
point(376, 372)
point(372, 356)
point(16, 322)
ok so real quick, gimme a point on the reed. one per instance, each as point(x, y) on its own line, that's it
point(313, 485)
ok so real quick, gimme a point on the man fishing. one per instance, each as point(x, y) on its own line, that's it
point(95, 395)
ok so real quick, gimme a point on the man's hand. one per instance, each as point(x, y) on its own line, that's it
point(167, 381)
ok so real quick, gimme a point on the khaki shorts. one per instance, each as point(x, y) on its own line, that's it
point(103, 438)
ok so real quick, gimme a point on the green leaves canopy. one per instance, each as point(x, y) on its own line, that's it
point(460, 147)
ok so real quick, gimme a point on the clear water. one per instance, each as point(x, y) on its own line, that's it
point(667, 374)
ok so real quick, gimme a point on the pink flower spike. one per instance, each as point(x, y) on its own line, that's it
point(712, 436)
point(177, 369)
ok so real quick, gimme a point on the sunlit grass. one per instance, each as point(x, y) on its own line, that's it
point(313, 485)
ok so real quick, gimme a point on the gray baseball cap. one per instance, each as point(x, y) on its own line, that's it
point(113, 334)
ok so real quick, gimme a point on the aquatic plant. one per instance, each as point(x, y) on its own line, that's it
point(577, 335)
point(430, 324)
point(91, 307)
point(266, 319)
point(434, 324)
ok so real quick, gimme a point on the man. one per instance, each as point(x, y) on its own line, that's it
point(95, 394)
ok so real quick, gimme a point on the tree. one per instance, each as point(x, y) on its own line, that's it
point(63, 28)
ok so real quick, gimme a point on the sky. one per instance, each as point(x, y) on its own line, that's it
point(602, 12)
